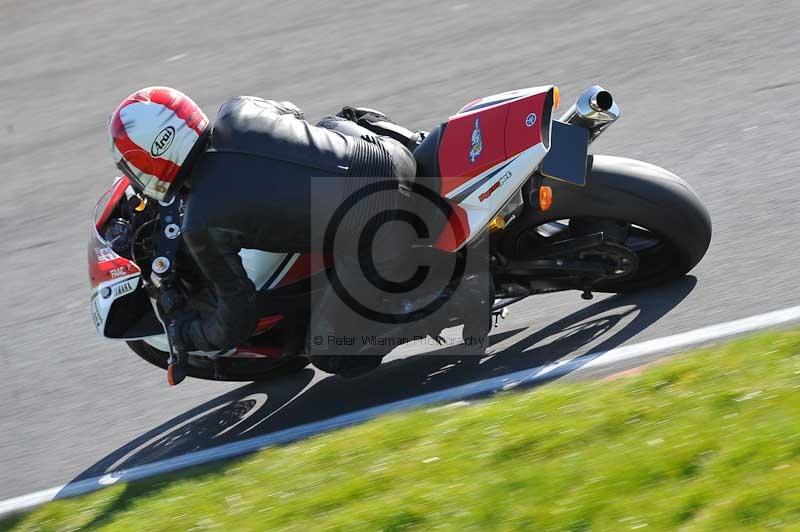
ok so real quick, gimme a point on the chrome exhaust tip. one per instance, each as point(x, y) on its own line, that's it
point(595, 110)
point(601, 101)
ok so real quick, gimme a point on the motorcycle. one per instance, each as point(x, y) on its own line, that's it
point(513, 179)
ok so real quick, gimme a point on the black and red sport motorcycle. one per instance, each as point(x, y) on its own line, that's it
point(513, 179)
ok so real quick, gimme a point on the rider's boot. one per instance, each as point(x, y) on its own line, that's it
point(477, 294)
point(336, 339)
point(381, 125)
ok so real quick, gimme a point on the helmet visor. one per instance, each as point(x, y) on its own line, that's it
point(123, 167)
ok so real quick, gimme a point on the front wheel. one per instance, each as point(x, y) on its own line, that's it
point(228, 368)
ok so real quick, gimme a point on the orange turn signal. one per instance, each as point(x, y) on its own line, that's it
point(556, 97)
point(545, 198)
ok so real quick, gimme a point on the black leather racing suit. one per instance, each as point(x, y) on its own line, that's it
point(259, 184)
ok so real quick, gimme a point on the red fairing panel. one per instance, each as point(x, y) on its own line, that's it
point(486, 153)
point(105, 265)
point(455, 232)
point(461, 155)
point(268, 322)
point(120, 185)
point(522, 123)
point(476, 140)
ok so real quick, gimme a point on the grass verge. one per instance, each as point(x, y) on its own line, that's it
point(709, 441)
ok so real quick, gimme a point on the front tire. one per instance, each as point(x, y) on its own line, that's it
point(229, 369)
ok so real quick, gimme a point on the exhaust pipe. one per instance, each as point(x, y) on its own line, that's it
point(594, 110)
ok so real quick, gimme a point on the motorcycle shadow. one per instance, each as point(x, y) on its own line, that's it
point(261, 408)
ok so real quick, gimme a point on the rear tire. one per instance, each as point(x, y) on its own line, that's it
point(231, 369)
point(645, 195)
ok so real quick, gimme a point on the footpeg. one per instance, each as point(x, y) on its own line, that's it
point(500, 315)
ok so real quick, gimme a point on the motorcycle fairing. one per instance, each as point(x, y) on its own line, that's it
point(115, 281)
point(120, 306)
point(499, 98)
point(486, 153)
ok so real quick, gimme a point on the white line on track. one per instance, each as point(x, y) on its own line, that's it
point(503, 382)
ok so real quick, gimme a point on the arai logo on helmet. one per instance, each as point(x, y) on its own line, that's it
point(530, 120)
point(163, 141)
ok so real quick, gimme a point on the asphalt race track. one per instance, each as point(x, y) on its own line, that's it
point(708, 90)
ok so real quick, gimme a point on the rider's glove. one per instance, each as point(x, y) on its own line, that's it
point(177, 329)
point(171, 301)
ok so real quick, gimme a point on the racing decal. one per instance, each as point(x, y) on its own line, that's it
point(464, 193)
point(476, 148)
point(163, 141)
point(104, 254)
point(106, 294)
point(274, 270)
point(110, 270)
point(97, 317)
point(120, 271)
point(105, 265)
point(497, 184)
point(282, 269)
point(471, 144)
point(261, 266)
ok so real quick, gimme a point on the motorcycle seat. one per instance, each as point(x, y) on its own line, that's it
point(427, 157)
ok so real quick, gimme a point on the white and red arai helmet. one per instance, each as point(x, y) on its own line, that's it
point(152, 133)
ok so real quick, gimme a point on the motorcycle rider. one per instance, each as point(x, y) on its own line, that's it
point(249, 181)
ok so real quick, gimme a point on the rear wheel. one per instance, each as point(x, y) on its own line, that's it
point(228, 368)
point(649, 217)
point(657, 260)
